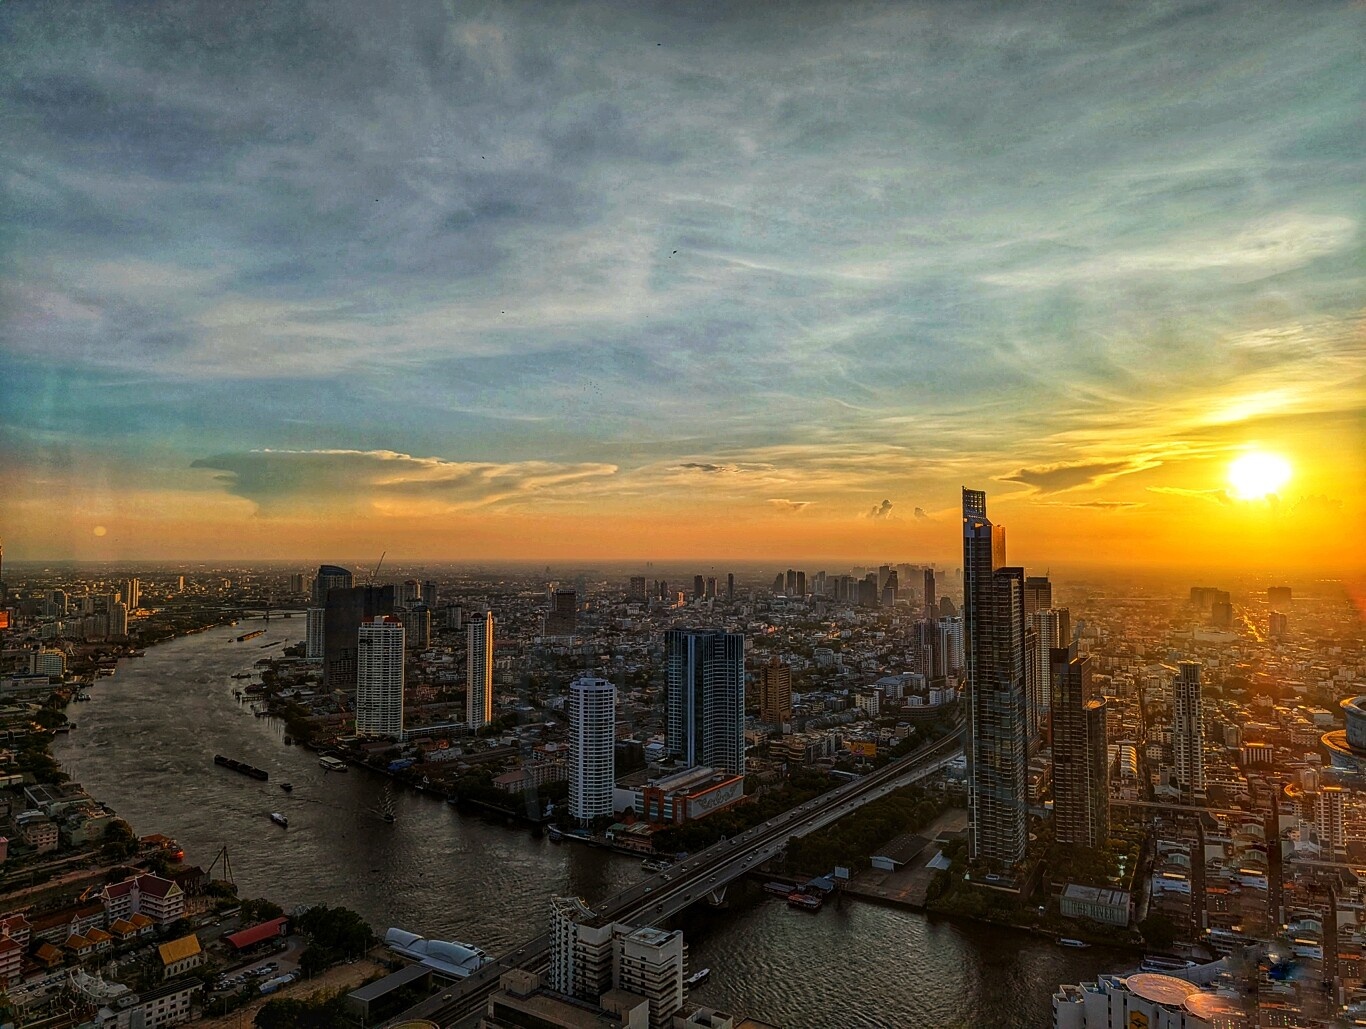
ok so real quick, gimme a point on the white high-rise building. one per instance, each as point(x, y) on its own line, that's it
point(479, 672)
point(1188, 736)
point(314, 636)
point(592, 714)
point(118, 620)
point(379, 678)
point(132, 594)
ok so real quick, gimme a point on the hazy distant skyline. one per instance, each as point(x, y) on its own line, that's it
point(578, 282)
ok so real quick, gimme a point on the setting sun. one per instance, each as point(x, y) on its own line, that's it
point(1256, 475)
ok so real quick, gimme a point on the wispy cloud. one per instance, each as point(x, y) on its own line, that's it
point(336, 480)
point(791, 506)
point(1059, 478)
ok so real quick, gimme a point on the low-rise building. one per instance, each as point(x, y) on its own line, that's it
point(1109, 907)
point(180, 956)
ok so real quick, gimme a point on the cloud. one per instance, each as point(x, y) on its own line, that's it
point(881, 512)
point(1059, 478)
point(1106, 505)
point(921, 515)
point(710, 469)
point(1318, 502)
point(1214, 496)
point(792, 506)
point(284, 481)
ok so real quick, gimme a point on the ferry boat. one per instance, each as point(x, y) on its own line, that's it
point(332, 764)
point(805, 901)
point(655, 866)
point(700, 976)
point(279, 819)
point(1064, 941)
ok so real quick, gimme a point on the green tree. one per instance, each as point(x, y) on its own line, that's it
point(1158, 931)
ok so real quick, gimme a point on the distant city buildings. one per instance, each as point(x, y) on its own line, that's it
point(479, 671)
point(591, 713)
point(705, 698)
point(379, 678)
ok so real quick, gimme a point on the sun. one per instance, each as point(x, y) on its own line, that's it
point(1257, 474)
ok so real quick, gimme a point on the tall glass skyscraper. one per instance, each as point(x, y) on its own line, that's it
point(994, 648)
point(705, 698)
point(1081, 788)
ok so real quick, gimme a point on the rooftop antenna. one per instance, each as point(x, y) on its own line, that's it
point(376, 571)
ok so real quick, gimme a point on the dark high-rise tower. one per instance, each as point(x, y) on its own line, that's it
point(705, 697)
point(330, 577)
point(344, 612)
point(1038, 594)
point(929, 591)
point(994, 630)
point(1081, 789)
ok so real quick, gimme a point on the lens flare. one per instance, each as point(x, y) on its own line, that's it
point(1256, 475)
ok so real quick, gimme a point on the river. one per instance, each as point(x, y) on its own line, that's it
point(145, 744)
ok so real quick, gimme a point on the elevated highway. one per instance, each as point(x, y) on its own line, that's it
point(704, 875)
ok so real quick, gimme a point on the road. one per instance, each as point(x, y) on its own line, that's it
point(666, 893)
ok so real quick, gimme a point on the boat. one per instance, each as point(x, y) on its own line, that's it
point(279, 819)
point(1065, 941)
point(289, 740)
point(386, 804)
point(250, 635)
point(555, 834)
point(805, 901)
point(332, 764)
point(287, 786)
point(700, 976)
point(655, 866)
point(241, 766)
point(778, 889)
point(242, 675)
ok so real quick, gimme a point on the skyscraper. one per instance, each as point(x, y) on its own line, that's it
point(562, 613)
point(1188, 735)
point(651, 963)
point(1049, 632)
point(730, 586)
point(705, 698)
point(379, 677)
point(993, 623)
point(1081, 788)
point(328, 577)
point(313, 633)
point(479, 672)
point(1038, 594)
point(118, 620)
point(699, 587)
point(407, 593)
point(592, 715)
point(417, 626)
point(345, 609)
point(773, 682)
point(929, 592)
point(132, 594)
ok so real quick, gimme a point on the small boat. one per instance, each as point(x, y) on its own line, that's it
point(332, 764)
point(655, 866)
point(805, 901)
point(386, 804)
point(1066, 941)
point(287, 786)
point(699, 976)
point(289, 740)
point(279, 819)
point(555, 834)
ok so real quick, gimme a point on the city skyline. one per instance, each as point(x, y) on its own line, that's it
point(560, 282)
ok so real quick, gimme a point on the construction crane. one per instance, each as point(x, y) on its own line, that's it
point(376, 571)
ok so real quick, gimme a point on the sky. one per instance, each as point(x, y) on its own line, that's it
point(634, 281)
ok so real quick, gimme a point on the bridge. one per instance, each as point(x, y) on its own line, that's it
point(703, 876)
